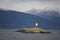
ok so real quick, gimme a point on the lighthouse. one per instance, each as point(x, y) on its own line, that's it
point(35, 29)
point(36, 24)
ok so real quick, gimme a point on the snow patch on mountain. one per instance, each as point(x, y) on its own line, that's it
point(44, 12)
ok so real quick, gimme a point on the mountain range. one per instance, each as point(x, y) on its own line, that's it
point(53, 16)
point(13, 19)
point(45, 12)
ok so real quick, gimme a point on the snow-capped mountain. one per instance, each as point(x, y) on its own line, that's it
point(52, 16)
point(45, 12)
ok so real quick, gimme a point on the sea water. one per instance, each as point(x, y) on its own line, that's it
point(10, 34)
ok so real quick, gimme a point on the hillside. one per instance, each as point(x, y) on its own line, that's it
point(15, 19)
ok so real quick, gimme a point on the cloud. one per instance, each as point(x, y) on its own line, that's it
point(23, 5)
point(35, 0)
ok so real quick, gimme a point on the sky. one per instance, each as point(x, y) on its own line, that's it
point(24, 5)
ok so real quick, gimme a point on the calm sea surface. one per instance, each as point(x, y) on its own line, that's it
point(9, 34)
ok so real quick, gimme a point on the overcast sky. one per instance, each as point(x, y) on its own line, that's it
point(23, 5)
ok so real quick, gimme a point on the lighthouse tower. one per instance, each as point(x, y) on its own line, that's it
point(36, 24)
